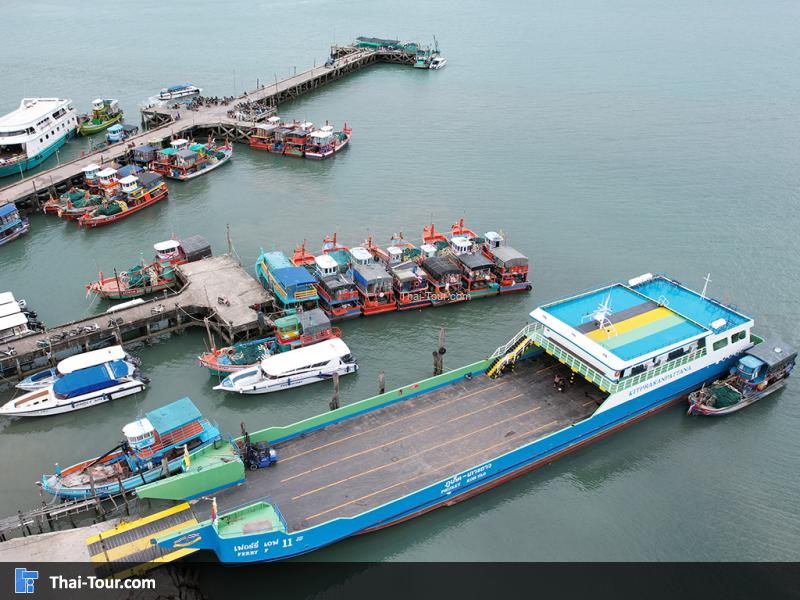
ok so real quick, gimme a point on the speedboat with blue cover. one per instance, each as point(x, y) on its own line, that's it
point(167, 433)
point(47, 377)
point(80, 389)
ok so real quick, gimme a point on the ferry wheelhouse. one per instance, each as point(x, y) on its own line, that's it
point(373, 281)
point(585, 367)
point(164, 434)
point(339, 296)
point(12, 226)
point(510, 265)
point(136, 192)
point(33, 132)
point(185, 161)
point(292, 286)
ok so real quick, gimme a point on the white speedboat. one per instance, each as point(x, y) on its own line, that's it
point(438, 62)
point(47, 377)
point(179, 91)
point(298, 367)
point(76, 390)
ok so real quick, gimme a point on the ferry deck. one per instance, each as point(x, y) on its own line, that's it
point(355, 465)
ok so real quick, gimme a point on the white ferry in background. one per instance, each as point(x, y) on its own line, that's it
point(179, 91)
point(31, 133)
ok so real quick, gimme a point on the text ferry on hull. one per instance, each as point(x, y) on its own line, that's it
point(583, 368)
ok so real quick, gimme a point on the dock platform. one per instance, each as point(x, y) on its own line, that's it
point(357, 464)
point(217, 289)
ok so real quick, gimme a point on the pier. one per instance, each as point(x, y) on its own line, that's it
point(215, 292)
point(162, 123)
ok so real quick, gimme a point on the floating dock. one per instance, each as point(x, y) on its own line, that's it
point(164, 123)
point(216, 290)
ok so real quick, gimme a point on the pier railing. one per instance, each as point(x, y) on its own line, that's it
point(536, 332)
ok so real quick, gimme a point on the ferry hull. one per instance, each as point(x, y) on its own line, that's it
point(31, 162)
point(277, 545)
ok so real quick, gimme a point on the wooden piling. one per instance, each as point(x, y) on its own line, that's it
point(335, 400)
point(381, 383)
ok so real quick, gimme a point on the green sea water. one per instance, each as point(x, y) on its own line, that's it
point(604, 139)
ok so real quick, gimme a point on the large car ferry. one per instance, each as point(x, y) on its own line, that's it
point(584, 367)
point(30, 134)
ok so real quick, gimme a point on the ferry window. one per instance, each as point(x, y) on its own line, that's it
point(720, 343)
point(676, 354)
point(638, 369)
point(739, 335)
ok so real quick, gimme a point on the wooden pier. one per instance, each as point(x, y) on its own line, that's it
point(162, 124)
point(215, 291)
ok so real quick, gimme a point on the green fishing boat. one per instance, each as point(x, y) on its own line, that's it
point(104, 114)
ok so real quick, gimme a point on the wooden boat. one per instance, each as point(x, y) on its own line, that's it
point(477, 271)
point(166, 434)
point(184, 160)
point(409, 281)
point(120, 132)
point(12, 226)
point(338, 293)
point(142, 279)
point(104, 114)
point(326, 142)
point(762, 370)
point(373, 281)
point(510, 266)
point(137, 193)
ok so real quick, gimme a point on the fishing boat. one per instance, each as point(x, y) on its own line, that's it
point(295, 140)
point(444, 277)
point(583, 368)
point(510, 265)
point(166, 434)
point(292, 331)
point(271, 136)
point(184, 160)
point(326, 142)
point(477, 273)
point(409, 281)
point(120, 133)
point(72, 205)
point(292, 286)
point(137, 192)
point(762, 370)
point(338, 294)
point(79, 389)
point(104, 114)
point(12, 226)
point(373, 281)
point(33, 132)
point(47, 377)
point(179, 91)
point(286, 370)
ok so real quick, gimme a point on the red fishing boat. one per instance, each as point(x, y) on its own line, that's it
point(458, 230)
point(510, 265)
point(137, 192)
point(409, 281)
point(373, 281)
point(301, 257)
point(431, 236)
point(326, 142)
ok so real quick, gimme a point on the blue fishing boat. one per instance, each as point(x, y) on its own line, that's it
point(292, 286)
point(167, 433)
point(584, 367)
point(12, 225)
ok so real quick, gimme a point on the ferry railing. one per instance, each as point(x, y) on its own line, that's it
point(527, 330)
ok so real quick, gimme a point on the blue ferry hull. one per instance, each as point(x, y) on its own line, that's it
point(277, 545)
point(31, 162)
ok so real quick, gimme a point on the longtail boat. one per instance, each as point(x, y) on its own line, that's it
point(137, 192)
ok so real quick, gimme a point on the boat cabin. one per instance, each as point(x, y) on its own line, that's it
point(108, 178)
point(90, 173)
point(361, 257)
point(476, 270)
point(334, 286)
point(461, 245)
point(13, 326)
point(185, 158)
point(168, 250)
point(179, 144)
point(309, 358)
point(428, 251)
point(144, 154)
point(443, 272)
point(763, 361)
point(129, 184)
point(140, 434)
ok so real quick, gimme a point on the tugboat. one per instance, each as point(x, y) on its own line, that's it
point(763, 369)
point(166, 434)
point(104, 114)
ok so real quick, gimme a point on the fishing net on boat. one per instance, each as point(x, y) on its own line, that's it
point(725, 396)
point(247, 354)
point(410, 253)
point(72, 196)
point(85, 201)
point(111, 209)
point(441, 244)
point(215, 154)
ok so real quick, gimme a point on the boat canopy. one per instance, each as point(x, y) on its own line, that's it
point(90, 168)
point(510, 257)
point(278, 365)
point(195, 247)
point(148, 178)
point(276, 260)
point(439, 266)
point(475, 262)
point(14, 320)
point(7, 209)
point(773, 352)
point(173, 415)
point(9, 308)
point(372, 275)
point(293, 277)
point(90, 380)
point(6, 297)
point(129, 170)
point(314, 321)
point(90, 359)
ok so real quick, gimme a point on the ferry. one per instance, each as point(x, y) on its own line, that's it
point(184, 160)
point(293, 286)
point(292, 331)
point(176, 92)
point(12, 226)
point(584, 367)
point(302, 366)
point(105, 113)
point(761, 371)
point(165, 434)
point(34, 131)
point(93, 358)
point(80, 389)
point(142, 279)
point(136, 192)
